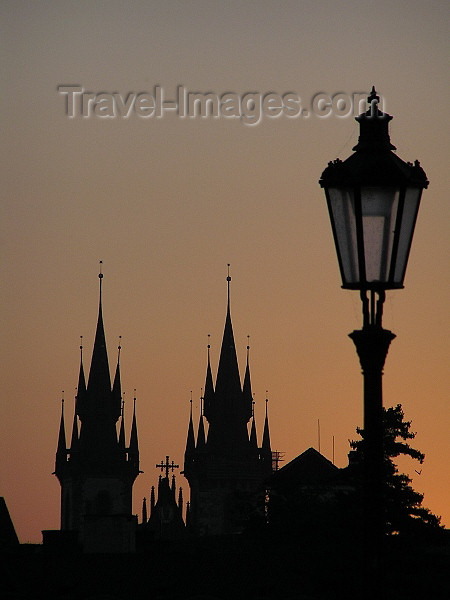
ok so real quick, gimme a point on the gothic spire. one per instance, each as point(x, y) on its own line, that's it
point(122, 428)
point(190, 442)
point(134, 446)
point(117, 389)
point(80, 404)
point(99, 382)
point(144, 511)
point(208, 397)
point(152, 498)
point(247, 387)
point(253, 438)
point(97, 405)
point(266, 435)
point(228, 385)
point(227, 413)
point(74, 439)
point(62, 449)
point(201, 438)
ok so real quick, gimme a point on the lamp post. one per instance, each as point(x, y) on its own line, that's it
point(373, 199)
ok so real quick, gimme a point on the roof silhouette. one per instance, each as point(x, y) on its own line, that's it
point(310, 467)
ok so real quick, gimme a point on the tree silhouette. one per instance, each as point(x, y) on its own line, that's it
point(403, 506)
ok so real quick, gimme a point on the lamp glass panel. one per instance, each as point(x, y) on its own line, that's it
point(379, 207)
point(342, 209)
point(411, 206)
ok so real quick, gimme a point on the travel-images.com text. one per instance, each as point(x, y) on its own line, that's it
point(250, 107)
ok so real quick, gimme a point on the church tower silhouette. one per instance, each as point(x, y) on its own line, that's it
point(97, 471)
point(166, 520)
point(225, 468)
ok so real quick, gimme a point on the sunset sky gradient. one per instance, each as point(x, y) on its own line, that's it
point(167, 202)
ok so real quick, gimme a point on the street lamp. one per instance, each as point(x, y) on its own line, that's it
point(373, 199)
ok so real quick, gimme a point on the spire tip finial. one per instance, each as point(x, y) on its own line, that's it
point(228, 287)
point(100, 276)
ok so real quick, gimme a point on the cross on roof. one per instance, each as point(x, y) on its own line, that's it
point(166, 466)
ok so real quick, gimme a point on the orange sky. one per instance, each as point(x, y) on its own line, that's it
point(167, 202)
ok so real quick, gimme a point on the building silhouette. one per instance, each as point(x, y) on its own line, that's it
point(302, 544)
point(308, 494)
point(226, 470)
point(97, 470)
point(165, 521)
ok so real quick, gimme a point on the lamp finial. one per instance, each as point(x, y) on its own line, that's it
point(373, 96)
